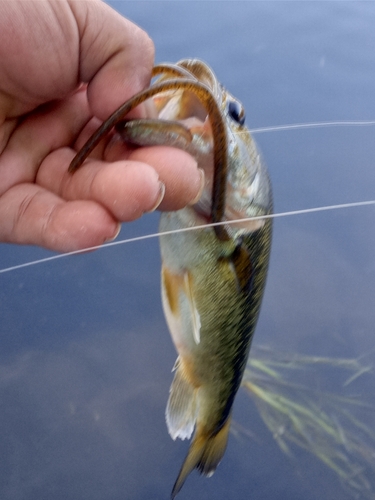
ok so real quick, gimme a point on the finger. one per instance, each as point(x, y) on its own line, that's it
point(116, 56)
point(127, 189)
point(65, 43)
point(31, 215)
point(54, 126)
point(39, 54)
point(178, 170)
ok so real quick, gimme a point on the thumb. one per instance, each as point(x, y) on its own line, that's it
point(116, 56)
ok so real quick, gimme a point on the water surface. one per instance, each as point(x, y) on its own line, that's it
point(85, 355)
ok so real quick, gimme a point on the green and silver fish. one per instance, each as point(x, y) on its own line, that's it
point(213, 278)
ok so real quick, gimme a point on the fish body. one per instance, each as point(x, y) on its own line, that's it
point(212, 282)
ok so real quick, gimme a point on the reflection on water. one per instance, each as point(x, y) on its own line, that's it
point(85, 355)
point(330, 425)
point(83, 416)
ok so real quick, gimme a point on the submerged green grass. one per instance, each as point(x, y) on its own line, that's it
point(328, 424)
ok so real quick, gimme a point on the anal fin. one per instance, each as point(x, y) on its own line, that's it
point(181, 409)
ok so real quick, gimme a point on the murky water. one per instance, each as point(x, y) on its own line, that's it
point(85, 354)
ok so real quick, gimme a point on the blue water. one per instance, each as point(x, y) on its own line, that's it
point(85, 355)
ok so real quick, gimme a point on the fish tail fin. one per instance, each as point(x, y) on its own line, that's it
point(204, 454)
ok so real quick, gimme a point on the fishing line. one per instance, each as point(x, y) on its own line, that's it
point(186, 229)
point(260, 130)
point(298, 126)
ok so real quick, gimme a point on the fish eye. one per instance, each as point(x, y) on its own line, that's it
point(236, 112)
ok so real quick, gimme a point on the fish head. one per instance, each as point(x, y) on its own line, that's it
point(199, 117)
point(248, 187)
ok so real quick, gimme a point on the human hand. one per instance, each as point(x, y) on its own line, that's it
point(48, 49)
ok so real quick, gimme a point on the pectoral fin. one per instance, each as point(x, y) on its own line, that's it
point(173, 286)
point(239, 265)
point(195, 318)
point(243, 268)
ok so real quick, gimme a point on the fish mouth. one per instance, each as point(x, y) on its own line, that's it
point(188, 102)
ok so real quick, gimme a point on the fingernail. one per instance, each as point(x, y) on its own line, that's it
point(159, 198)
point(118, 229)
point(201, 187)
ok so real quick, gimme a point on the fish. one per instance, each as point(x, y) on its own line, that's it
point(212, 278)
